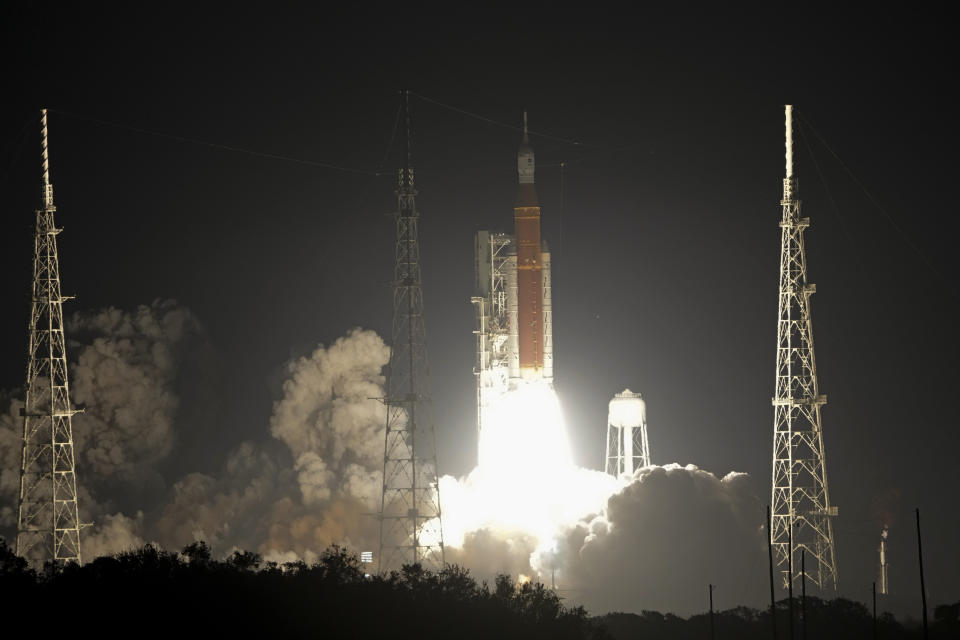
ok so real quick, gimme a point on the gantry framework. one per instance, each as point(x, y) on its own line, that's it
point(48, 525)
point(496, 332)
point(801, 510)
point(411, 530)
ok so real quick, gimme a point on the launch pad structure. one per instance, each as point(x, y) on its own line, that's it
point(801, 512)
point(513, 300)
point(48, 521)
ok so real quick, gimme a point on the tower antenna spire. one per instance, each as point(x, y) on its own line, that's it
point(48, 522)
point(408, 138)
point(47, 196)
point(802, 512)
point(411, 530)
point(788, 113)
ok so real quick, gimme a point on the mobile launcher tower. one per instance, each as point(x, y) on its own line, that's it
point(514, 326)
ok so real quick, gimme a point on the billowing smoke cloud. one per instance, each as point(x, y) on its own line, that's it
point(329, 418)
point(672, 528)
point(333, 425)
point(636, 543)
point(114, 533)
point(320, 488)
point(123, 376)
point(122, 371)
point(491, 551)
point(10, 442)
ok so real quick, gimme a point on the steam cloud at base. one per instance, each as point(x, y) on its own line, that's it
point(611, 543)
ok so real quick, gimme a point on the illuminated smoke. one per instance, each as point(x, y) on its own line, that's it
point(123, 365)
point(625, 543)
point(629, 543)
point(329, 418)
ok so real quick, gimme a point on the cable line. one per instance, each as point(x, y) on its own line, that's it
point(893, 223)
point(546, 136)
point(215, 145)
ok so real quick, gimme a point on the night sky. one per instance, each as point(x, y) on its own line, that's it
point(665, 242)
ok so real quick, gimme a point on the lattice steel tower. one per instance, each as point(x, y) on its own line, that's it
point(801, 510)
point(411, 531)
point(48, 526)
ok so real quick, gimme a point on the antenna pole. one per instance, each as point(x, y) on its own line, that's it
point(712, 636)
point(773, 598)
point(803, 591)
point(923, 589)
point(790, 581)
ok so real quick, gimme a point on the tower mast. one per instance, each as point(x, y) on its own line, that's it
point(411, 531)
point(48, 525)
point(799, 494)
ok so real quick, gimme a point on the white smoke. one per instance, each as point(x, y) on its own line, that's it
point(330, 419)
point(123, 375)
point(294, 504)
point(644, 543)
point(113, 534)
point(633, 543)
point(122, 369)
point(11, 427)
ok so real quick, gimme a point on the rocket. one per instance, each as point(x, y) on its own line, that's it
point(530, 285)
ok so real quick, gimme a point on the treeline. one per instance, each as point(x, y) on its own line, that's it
point(154, 593)
point(150, 593)
point(826, 619)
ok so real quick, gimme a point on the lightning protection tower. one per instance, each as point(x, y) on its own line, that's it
point(627, 445)
point(48, 526)
point(801, 509)
point(411, 531)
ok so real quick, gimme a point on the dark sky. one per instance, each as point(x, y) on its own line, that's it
point(666, 254)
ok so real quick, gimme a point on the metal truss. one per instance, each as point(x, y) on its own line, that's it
point(48, 526)
point(411, 530)
point(496, 275)
point(800, 498)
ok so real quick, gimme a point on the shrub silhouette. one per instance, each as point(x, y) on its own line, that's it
point(155, 593)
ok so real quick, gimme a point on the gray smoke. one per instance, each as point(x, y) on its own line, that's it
point(671, 530)
point(122, 371)
point(123, 374)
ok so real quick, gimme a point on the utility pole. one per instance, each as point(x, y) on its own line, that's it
point(923, 588)
point(802, 513)
point(790, 582)
point(48, 524)
point(411, 531)
point(773, 598)
point(712, 635)
point(803, 591)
